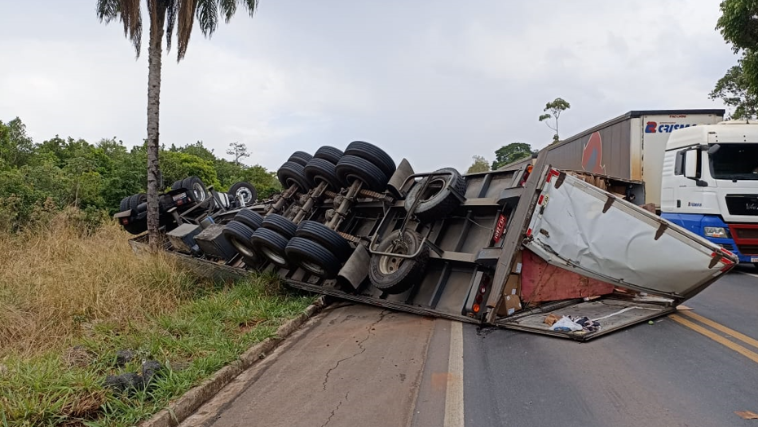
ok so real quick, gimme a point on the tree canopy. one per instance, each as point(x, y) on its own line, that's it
point(510, 153)
point(480, 165)
point(59, 172)
point(738, 88)
point(734, 90)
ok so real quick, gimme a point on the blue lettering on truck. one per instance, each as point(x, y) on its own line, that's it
point(653, 127)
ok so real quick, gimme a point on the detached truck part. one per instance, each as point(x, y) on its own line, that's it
point(503, 248)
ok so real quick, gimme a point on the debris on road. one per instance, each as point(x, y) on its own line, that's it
point(747, 415)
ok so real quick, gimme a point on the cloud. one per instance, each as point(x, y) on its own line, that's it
point(434, 82)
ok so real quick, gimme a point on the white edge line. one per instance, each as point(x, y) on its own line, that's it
point(454, 392)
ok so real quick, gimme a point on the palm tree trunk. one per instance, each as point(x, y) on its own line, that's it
point(155, 52)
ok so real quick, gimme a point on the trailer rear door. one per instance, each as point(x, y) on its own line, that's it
point(584, 229)
point(581, 228)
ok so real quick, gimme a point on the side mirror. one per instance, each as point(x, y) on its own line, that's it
point(713, 149)
point(692, 164)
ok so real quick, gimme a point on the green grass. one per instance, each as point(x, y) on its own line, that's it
point(64, 388)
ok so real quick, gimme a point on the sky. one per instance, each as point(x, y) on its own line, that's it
point(435, 82)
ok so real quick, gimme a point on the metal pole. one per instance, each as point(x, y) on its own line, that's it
point(277, 207)
point(306, 209)
point(347, 202)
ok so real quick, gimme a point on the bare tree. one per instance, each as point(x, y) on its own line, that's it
point(238, 150)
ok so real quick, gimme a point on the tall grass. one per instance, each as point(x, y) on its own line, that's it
point(71, 298)
point(57, 282)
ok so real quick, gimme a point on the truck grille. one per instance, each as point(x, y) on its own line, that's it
point(742, 204)
point(745, 233)
point(748, 249)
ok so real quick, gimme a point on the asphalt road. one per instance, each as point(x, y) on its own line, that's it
point(359, 365)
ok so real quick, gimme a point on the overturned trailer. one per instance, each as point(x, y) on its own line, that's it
point(512, 248)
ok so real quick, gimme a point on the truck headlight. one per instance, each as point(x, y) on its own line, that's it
point(716, 232)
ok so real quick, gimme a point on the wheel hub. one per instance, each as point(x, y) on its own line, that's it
point(273, 256)
point(390, 264)
point(313, 268)
point(245, 194)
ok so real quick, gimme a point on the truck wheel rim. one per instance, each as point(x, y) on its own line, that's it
point(390, 264)
point(245, 194)
point(273, 256)
point(240, 247)
point(312, 267)
point(199, 192)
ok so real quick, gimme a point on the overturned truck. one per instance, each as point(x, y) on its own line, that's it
point(534, 249)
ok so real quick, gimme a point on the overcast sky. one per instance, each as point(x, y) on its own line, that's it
point(435, 82)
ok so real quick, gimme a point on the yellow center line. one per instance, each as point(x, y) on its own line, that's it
point(714, 336)
point(742, 337)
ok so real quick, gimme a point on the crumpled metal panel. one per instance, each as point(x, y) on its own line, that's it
point(589, 231)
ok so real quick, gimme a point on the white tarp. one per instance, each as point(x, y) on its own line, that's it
point(569, 229)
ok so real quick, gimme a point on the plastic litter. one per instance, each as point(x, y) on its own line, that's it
point(565, 324)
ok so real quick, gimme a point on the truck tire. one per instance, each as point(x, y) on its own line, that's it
point(124, 205)
point(245, 190)
point(196, 188)
point(313, 258)
point(271, 244)
point(253, 220)
point(437, 201)
point(321, 170)
point(292, 173)
point(280, 224)
point(135, 201)
point(351, 168)
point(177, 185)
point(330, 154)
point(300, 157)
point(239, 235)
point(373, 154)
point(397, 275)
point(326, 237)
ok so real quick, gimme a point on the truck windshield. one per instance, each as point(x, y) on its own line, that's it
point(735, 161)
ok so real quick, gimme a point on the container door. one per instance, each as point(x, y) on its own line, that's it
point(584, 229)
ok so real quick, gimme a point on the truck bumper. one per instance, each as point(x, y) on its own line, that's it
point(742, 241)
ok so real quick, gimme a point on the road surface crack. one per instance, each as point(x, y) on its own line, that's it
point(334, 411)
point(360, 346)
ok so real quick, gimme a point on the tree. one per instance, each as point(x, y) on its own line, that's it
point(238, 150)
point(165, 16)
point(480, 165)
point(733, 90)
point(197, 149)
point(553, 111)
point(739, 86)
point(510, 153)
point(15, 146)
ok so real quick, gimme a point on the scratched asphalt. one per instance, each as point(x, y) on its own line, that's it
point(362, 366)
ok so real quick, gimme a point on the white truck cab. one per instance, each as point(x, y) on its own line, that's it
point(709, 184)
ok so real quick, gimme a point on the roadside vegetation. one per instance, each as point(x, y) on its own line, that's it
point(77, 306)
point(59, 173)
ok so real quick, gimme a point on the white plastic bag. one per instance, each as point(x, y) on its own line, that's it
point(565, 322)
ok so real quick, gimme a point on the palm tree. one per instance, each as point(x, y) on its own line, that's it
point(165, 17)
